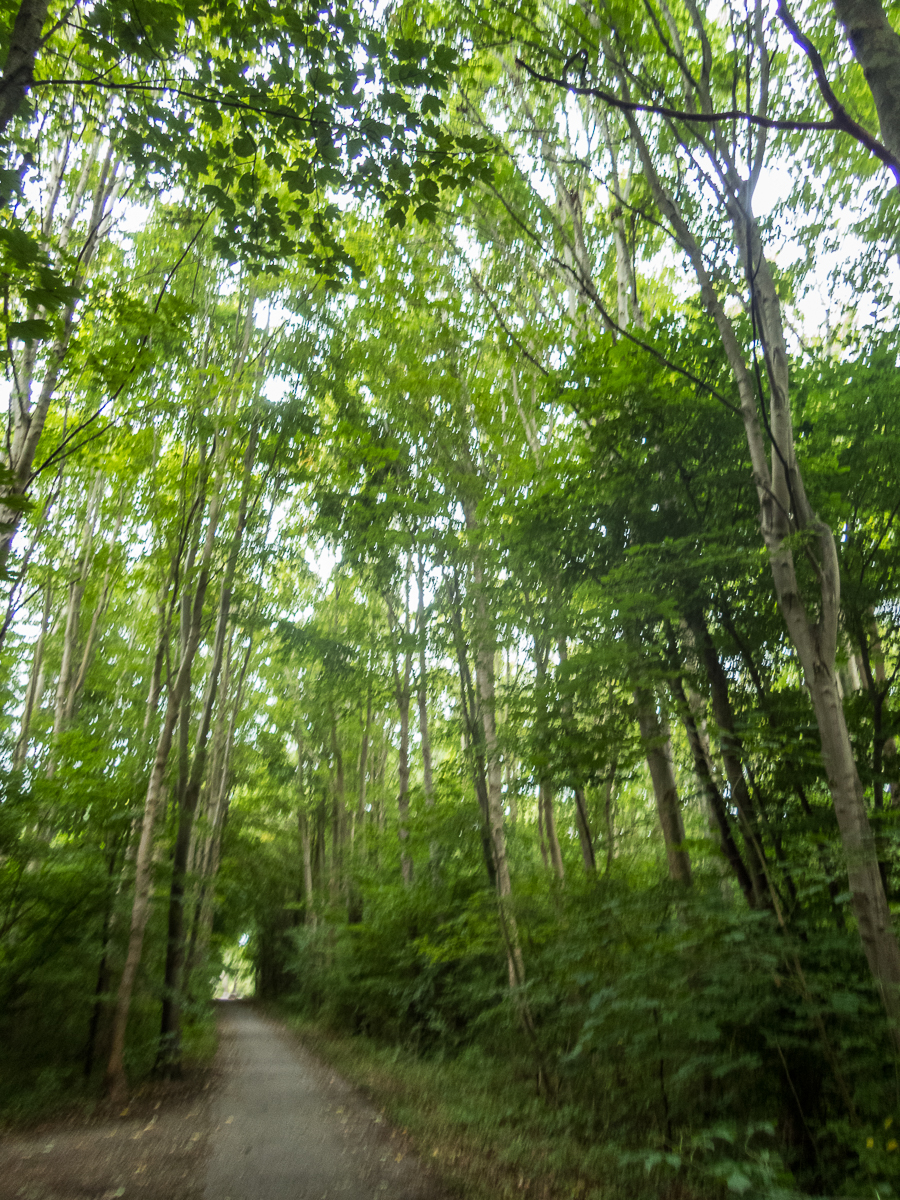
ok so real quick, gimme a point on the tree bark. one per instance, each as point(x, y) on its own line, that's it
point(658, 751)
point(63, 704)
point(484, 646)
point(545, 801)
point(116, 1079)
point(402, 694)
point(91, 639)
point(732, 758)
point(403, 703)
point(35, 686)
point(30, 412)
point(422, 689)
point(876, 47)
point(338, 816)
point(309, 895)
point(582, 822)
point(785, 511)
point(169, 1053)
point(18, 71)
point(546, 821)
point(220, 791)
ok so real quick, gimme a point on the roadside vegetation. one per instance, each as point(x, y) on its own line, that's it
point(449, 551)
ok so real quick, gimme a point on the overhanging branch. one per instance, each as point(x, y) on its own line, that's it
point(841, 121)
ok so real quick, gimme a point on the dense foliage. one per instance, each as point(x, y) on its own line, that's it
point(450, 558)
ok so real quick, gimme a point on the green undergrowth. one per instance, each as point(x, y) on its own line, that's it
point(61, 1090)
point(489, 1130)
point(676, 1048)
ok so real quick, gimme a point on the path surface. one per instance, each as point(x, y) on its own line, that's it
point(284, 1127)
point(269, 1122)
point(155, 1149)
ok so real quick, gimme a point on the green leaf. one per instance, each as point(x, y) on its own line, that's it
point(244, 145)
point(738, 1182)
point(30, 331)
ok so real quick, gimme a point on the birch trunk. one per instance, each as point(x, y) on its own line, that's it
point(18, 71)
point(876, 47)
point(484, 648)
point(403, 703)
point(582, 822)
point(116, 1079)
point(473, 735)
point(422, 690)
point(546, 819)
point(220, 792)
point(812, 620)
point(30, 411)
point(309, 895)
point(658, 751)
point(169, 1055)
point(35, 686)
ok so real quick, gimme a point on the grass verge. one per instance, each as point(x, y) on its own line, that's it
point(489, 1135)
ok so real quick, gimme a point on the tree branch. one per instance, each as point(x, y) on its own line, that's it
point(841, 122)
point(842, 119)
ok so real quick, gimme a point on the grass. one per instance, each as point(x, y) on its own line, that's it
point(488, 1133)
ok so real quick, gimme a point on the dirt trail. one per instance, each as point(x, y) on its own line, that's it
point(284, 1127)
point(152, 1150)
point(270, 1122)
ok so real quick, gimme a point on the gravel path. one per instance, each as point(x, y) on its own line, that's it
point(284, 1127)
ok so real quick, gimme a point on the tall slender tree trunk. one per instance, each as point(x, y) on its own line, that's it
point(309, 895)
point(473, 732)
point(90, 641)
point(18, 70)
point(35, 686)
point(714, 799)
point(484, 647)
point(655, 735)
point(876, 47)
point(812, 617)
point(403, 694)
point(364, 755)
point(732, 756)
point(422, 688)
point(77, 587)
point(31, 411)
point(220, 791)
point(548, 821)
point(169, 1054)
point(546, 818)
point(116, 1079)
point(582, 821)
point(403, 703)
point(338, 816)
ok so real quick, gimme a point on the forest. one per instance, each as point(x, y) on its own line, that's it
point(450, 565)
